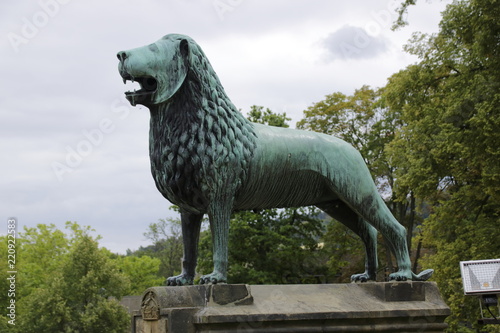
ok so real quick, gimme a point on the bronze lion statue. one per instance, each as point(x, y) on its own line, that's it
point(207, 158)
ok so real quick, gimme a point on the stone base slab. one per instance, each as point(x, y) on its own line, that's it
point(365, 307)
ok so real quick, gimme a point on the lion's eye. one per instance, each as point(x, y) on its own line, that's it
point(153, 47)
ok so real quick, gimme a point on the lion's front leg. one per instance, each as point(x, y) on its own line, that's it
point(191, 224)
point(219, 215)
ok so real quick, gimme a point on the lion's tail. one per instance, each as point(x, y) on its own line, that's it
point(423, 276)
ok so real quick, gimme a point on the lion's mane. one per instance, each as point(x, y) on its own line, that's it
point(200, 144)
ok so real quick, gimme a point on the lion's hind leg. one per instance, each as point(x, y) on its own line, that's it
point(374, 210)
point(368, 234)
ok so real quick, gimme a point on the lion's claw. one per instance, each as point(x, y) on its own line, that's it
point(179, 280)
point(396, 277)
point(363, 277)
point(401, 275)
point(213, 278)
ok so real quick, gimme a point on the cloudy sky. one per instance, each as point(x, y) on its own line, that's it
point(72, 147)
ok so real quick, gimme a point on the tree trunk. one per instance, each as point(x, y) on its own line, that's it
point(389, 267)
point(411, 221)
point(417, 255)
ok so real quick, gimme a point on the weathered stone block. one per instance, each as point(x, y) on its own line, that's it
point(367, 307)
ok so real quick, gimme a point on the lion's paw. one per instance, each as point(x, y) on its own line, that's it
point(213, 278)
point(363, 277)
point(179, 280)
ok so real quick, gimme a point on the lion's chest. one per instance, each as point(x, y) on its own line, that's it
point(198, 160)
point(177, 173)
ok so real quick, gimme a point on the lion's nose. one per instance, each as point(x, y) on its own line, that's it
point(122, 56)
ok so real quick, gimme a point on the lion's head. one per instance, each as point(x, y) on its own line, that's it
point(200, 144)
point(160, 69)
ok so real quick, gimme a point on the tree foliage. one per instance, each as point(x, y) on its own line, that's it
point(64, 281)
point(142, 272)
point(344, 252)
point(447, 151)
point(271, 246)
point(257, 114)
point(167, 245)
point(75, 297)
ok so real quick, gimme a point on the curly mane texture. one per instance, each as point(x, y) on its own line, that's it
point(200, 144)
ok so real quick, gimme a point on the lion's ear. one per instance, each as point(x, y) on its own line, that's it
point(184, 46)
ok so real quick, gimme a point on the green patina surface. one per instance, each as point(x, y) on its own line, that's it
point(208, 159)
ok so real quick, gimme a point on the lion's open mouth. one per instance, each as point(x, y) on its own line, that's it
point(148, 85)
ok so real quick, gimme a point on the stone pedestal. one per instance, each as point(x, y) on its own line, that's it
point(367, 307)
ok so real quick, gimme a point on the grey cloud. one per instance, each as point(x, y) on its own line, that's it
point(353, 43)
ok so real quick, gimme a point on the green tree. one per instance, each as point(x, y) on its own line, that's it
point(167, 245)
point(64, 277)
point(39, 253)
point(272, 246)
point(142, 272)
point(257, 114)
point(344, 251)
point(76, 298)
point(447, 150)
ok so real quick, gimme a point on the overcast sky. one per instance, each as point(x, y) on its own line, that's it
point(72, 147)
